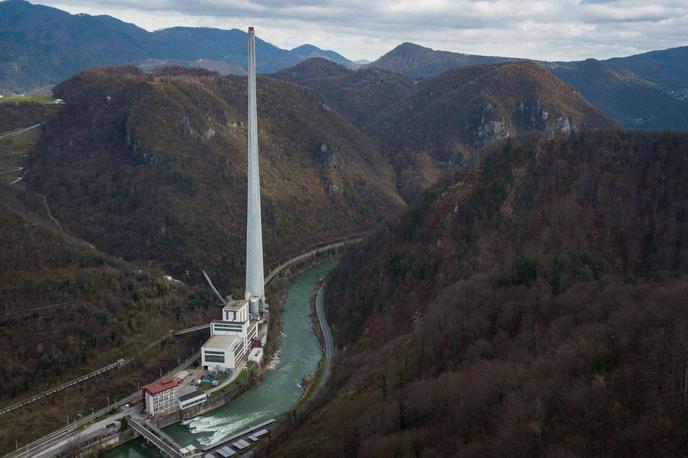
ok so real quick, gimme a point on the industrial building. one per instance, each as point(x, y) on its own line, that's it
point(192, 399)
point(241, 331)
point(222, 352)
point(161, 397)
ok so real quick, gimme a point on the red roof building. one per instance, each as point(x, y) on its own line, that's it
point(159, 386)
point(161, 397)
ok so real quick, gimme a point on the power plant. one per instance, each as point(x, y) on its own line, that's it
point(243, 325)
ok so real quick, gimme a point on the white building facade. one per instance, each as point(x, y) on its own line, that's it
point(222, 352)
point(161, 397)
point(230, 338)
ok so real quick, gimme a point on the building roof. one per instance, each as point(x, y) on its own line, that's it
point(160, 386)
point(223, 342)
point(236, 304)
point(193, 395)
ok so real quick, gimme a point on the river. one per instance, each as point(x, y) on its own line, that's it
point(275, 394)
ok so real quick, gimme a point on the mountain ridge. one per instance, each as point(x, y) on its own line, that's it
point(641, 91)
point(81, 41)
point(419, 61)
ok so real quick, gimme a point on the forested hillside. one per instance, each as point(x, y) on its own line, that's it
point(644, 100)
point(66, 307)
point(20, 116)
point(642, 91)
point(359, 95)
point(420, 62)
point(448, 118)
point(533, 307)
point(153, 167)
point(433, 128)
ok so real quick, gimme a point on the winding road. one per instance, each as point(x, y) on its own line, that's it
point(327, 335)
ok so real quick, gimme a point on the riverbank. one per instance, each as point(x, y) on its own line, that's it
point(314, 395)
point(280, 275)
point(277, 288)
point(279, 389)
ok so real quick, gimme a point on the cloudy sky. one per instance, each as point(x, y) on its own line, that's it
point(366, 29)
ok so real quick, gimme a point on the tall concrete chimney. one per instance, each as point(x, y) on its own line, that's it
point(255, 287)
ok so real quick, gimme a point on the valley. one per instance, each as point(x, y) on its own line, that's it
point(213, 250)
point(540, 294)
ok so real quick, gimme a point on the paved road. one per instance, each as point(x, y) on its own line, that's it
point(94, 429)
point(321, 249)
point(329, 344)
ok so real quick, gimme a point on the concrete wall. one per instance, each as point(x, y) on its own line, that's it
point(94, 447)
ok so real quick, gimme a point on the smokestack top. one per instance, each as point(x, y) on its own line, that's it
point(250, 29)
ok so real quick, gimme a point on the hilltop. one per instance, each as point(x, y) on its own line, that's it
point(533, 307)
point(152, 168)
point(418, 61)
point(436, 127)
point(448, 118)
point(359, 95)
point(643, 91)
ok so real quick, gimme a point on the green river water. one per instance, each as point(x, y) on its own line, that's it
point(276, 393)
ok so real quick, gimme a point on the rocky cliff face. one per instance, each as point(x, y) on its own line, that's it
point(449, 117)
point(434, 128)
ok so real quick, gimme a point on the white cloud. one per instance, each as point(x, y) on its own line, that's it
point(539, 29)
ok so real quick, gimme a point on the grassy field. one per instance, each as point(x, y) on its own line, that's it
point(25, 99)
point(13, 150)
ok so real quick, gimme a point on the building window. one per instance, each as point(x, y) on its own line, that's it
point(214, 358)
